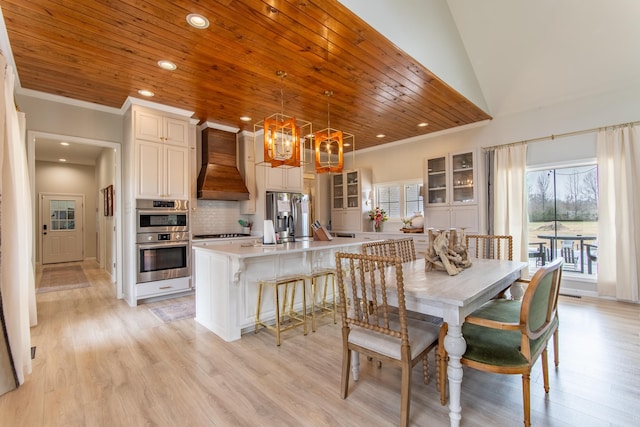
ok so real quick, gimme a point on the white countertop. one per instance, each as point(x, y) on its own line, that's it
point(249, 250)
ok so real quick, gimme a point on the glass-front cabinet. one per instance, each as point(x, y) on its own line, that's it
point(451, 179)
point(462, 178)
point(337, 191)
point(451, 199)
point(437, 180)
point(348, 199)
point(345, 192)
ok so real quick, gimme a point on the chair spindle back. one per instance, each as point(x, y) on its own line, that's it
point(489, 246)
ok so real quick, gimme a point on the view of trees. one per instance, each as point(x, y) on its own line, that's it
point(566, 194)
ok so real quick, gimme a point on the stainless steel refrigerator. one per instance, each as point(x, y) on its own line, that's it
point(291, 215)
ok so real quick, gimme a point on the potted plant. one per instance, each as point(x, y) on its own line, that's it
point(246, 226)
point(378, 216)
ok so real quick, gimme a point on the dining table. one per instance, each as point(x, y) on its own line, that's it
point(452, 298)
point(579, 237)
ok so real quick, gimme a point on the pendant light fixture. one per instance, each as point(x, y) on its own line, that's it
point(282, 134)
point(329, 145)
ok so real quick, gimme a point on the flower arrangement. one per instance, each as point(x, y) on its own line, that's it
point(378, 216)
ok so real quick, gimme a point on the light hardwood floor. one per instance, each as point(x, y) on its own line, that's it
point(100, 362)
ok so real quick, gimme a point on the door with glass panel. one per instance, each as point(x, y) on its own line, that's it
point(61, 228)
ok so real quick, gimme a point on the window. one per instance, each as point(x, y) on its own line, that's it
point(563, 217)
point(399, 200)
point(413, 202)
point(62, 214)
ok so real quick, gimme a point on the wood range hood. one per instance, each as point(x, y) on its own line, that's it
point(219, 177)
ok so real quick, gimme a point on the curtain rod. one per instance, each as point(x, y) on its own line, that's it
point(560, 135)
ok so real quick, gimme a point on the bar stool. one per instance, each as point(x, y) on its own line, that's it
point(325, 306)
point(295, 319)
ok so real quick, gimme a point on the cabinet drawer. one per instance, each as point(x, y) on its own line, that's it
point(162, 287)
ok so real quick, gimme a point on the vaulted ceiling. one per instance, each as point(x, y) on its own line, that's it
point(104, 51)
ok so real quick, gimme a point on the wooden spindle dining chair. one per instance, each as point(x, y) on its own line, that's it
point(489, 246)
point(405, 248)
point(380, 248)
point(378, 329)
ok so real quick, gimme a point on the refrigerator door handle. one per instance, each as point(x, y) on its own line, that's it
point(293, 219)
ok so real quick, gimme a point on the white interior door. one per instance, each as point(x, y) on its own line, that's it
point(62, 228)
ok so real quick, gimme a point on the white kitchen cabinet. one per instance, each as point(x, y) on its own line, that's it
point(446, 217)
point(160, 144)
point(451, 197)
point(348, 208)
point(154, 127)
point(161, 171)
point(163, 287)
point(283, 178)
point(158, 147)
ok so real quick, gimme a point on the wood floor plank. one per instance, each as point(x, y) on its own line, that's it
point(100, 362)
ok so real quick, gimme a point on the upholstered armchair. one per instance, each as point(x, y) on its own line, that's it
point(508, 336)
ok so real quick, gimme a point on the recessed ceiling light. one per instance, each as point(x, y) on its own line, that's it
point(167, 65)
point(64, 143)
point(245, 118)
point(62, 160)
point(380, 135)
point(145, 92)
point(423, 124)
point(197, 21)
point(346, 144)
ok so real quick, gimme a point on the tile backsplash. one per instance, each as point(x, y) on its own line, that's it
point(216, 216)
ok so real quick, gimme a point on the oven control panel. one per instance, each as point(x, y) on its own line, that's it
point(162, 237)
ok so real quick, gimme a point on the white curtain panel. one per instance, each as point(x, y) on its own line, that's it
point(618, 155)
point(510, 207)
point(18, 281)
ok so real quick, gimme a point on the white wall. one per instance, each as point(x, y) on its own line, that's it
point(433, 39)
point(105, 170)
point(104, 124)
point(403, 160)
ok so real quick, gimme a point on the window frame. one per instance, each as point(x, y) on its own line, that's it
point(590, 162)
point(402, 185)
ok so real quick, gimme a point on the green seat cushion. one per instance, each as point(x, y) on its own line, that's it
point(498, 347)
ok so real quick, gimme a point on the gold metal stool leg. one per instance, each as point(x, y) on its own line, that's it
point(286, 299)
point(323, 306)
point(313, 303)
point(332, 276)
point(258, 308)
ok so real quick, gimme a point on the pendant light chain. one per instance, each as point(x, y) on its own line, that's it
point(282, 75)
point(328, 94)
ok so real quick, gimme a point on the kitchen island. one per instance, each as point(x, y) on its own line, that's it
point(226, 278)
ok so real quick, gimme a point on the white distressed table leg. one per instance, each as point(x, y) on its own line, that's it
point(456, 346)
point(355, 365)
point(516, 290)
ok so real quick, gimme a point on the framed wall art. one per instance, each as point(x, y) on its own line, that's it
point(108, 200)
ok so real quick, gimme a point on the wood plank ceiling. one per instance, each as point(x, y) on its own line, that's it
point(104, 51)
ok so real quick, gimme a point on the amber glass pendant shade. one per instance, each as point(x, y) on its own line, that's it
point(281, 141)
point(329, 144)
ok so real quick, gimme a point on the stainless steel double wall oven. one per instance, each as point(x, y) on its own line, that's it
point(162, 240)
